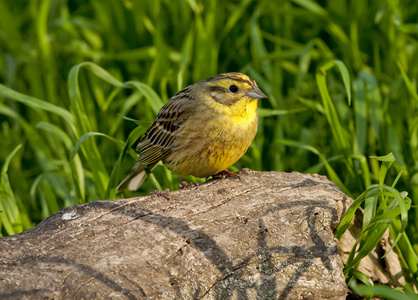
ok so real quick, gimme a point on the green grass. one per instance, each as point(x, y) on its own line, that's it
point(341, 77)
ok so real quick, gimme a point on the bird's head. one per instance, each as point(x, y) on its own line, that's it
point(230, 88)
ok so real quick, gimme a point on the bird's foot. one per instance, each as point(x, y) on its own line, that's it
point(225, 173)
point(185, 185)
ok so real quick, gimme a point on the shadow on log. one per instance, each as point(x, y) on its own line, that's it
point(264, 235)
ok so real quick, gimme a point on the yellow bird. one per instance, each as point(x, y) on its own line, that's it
point(201, 130)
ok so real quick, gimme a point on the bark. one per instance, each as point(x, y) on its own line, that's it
point(264, 235)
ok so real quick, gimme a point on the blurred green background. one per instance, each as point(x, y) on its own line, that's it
point(163, 46)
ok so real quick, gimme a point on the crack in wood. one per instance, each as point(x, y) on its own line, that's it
point(83, 284)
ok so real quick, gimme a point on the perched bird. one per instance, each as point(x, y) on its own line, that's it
point(201, 130)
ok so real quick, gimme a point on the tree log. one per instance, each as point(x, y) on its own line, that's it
point(262, 235)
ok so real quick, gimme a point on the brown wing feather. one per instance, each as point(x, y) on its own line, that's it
point(156, 143)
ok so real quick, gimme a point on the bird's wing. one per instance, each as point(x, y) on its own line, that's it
point(156, 143)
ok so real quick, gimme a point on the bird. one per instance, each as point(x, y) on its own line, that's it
point(200, 131)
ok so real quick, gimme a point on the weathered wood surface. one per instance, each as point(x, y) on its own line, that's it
point(264, 235)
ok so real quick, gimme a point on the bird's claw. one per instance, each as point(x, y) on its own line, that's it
point(185, 185)
point(225, 173)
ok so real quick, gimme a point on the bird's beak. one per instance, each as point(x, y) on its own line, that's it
point(256, 93)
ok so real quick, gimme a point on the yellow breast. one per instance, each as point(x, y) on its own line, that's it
point(215, 140)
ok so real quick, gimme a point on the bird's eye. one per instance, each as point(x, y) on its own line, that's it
point(233, 88)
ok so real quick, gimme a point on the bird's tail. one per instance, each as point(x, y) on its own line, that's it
point(134, 179)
